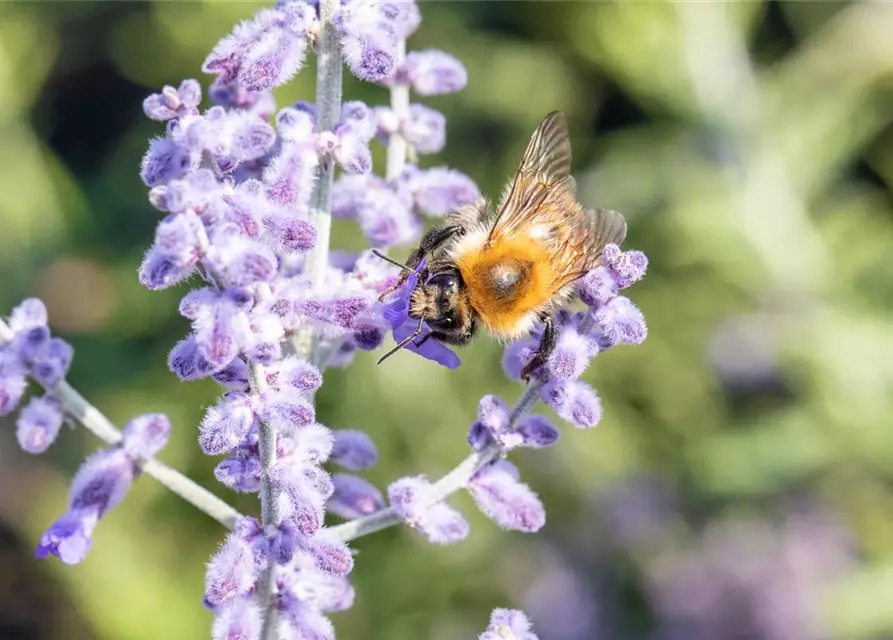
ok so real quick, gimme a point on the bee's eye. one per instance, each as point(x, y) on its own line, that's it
point(445, 281)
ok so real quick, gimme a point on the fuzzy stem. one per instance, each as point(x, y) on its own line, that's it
point(77, 406)
point(328, 112)
point(303, 344)
point(454, 481)
point(397, 145)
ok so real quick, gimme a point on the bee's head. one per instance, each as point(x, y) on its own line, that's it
point(440, 301)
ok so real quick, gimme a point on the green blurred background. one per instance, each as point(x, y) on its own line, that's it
point(740, 484)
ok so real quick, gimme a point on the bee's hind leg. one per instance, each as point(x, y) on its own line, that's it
point(547, 346)
point(429, 242)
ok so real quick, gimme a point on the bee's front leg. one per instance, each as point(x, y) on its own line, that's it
point(547, 346)
point(429, 242)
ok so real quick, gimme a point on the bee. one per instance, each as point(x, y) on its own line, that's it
point(510, 269)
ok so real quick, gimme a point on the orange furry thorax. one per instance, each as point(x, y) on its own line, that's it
point(502, 311)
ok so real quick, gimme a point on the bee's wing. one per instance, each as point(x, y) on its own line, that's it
point(581, 250)
point(545, 167)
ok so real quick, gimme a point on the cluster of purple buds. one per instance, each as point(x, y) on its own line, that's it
point(100, 484)
point(235, 182)
point(309, 577)
point(388, 211)
point(33, 352)
point(104, 479)
point(611, 319)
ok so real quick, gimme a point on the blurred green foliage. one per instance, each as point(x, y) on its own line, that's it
point(750, 147)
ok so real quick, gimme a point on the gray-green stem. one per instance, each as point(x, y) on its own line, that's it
point(454, 481)
point(328, 112)
point(397, 145)
point(77, 407)
point(303, 344)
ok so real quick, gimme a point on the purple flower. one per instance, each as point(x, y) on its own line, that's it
point(159, 271)
point(331, 556)
point(287, 410)
point(538, 432)
point(178, 238)
point(186, 362)
point(354, 497)
point(572, 355)
point(414, 501)
point(298, 374)
point(237, 619)
point(396, 314)
point(146, 435)
point(12, 380)
point(194, 193)
point(573, 401)
point(354, 450)
point(265, 52)
point(290, 176)
point(312, 445)
point(424, 129)
point(164, 161)
point(305, 621)
point(368, 36)
point(236, 567)
point(628, 267)
point(598, 287)
point(493, 425)
point(439, 190)
point(38, 424)
point(240, 261)
point(174, 103)
point(30, 313)
point(433, 72)
point(619, 321)
point(226, 425)
point(70, 537)
point(356, 129)
point(295, 125)
point(240, 473)
point(505, 500)
point(99, 485)
point(508, 624)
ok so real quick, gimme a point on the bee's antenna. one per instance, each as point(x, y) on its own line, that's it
point(403, 342)
point(395, 263)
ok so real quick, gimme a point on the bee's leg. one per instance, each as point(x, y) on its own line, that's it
point(547, 346)
point(429, 242)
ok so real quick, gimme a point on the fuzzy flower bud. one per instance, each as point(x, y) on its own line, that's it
point(226, 424)
point(506, 501)
point(424, 129)
point(174, 103)
point(236, 567)
point(354, 450)
point(439, 190)
point(619, 322)
point(413, 500)
point(573, 401)
point(433, 72)
point(99, 485)
point(38, 424)
point(146, 435)
point(12, 381)
point(571, 355)
point(237, 619)
point(354, 497)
